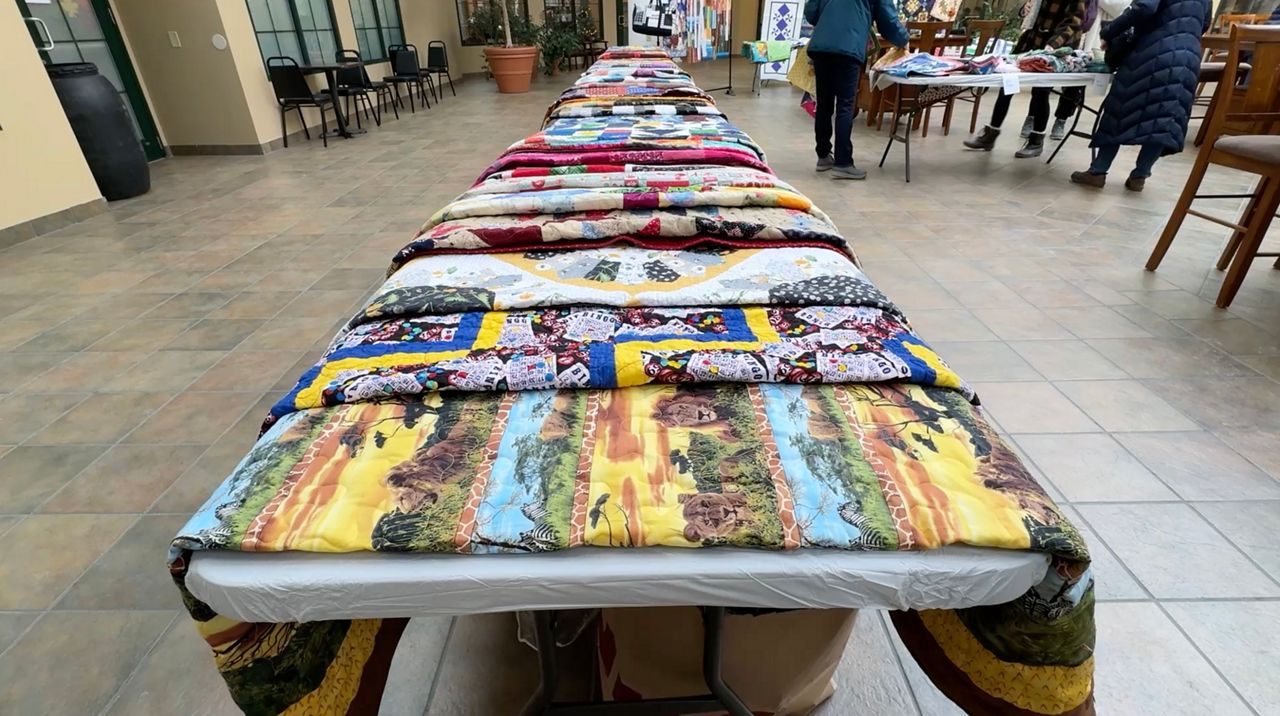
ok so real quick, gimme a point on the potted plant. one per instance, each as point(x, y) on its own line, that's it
point(511, 64)
point(557, 41)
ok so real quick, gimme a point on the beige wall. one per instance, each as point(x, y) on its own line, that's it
point(196, 91)
point(42, 170)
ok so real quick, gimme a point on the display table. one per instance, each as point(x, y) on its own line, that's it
point(933, 90)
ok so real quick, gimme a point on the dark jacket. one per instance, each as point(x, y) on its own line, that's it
point(1151, 94)
point(843, 26)
point(1059, 23)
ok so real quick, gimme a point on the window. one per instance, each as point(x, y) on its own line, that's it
point(377, 27)
point(301, 29)
point(478, 18)
point(585, 15)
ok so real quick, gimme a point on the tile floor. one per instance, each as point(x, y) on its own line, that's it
point(140, 350)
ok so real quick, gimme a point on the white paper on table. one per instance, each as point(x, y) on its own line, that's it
point(1010, 84)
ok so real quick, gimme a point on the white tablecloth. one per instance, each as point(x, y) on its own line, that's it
point(295, 586)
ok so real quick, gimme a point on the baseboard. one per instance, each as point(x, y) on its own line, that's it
point(18, 233)
point(214, 150)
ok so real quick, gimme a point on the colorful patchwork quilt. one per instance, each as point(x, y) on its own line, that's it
point(630, 333)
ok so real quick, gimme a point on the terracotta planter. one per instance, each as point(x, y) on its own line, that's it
point(512, 67)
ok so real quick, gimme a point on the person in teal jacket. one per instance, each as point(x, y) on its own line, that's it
point(838, 50)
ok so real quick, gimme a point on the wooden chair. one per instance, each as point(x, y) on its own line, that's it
point(925, 37)
point(1240, 136)
point(1212, 65)
point(985, 32)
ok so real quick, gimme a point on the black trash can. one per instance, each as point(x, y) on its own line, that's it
point(103, 127)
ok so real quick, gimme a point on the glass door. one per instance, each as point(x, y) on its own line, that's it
point(86, 31)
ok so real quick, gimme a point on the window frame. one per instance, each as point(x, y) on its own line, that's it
point(379, 27)
point(464, 15)
point(297, 30)
point(576, 6)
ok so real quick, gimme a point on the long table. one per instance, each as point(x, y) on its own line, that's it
point(933, 90)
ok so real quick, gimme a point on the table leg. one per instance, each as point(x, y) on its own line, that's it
point(549, 674)
point(343, 130)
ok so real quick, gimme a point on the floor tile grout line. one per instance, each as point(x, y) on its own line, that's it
point(435, 677)
point(115, 696)
point(1123, 565)
point(1248, 557)
point(882, 616)
point(1212, 665)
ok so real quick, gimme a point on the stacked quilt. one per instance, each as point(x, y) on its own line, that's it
point(629, 332)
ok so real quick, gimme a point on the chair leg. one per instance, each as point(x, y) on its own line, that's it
point(324, 124)
point(408, 89)
point(284, 127)
point(395, 109)
point(422, 92)
point(973, 118)
point(450, 78)
point(376, 111)
point(348, 111)
point(925, 131)
point(302, 119)
point(1246, 217)
point(946, 117)
point(1179, 213)
point(1266, 210)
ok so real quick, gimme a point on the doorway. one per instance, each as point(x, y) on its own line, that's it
point(86, 31)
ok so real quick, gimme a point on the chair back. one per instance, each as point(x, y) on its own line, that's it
point(985, 33)
point(1228, 20)
point(287, 80)
point(353, 77)
point(930, 36)
point(1255, 107)
point(404, 61)
point(437, 55)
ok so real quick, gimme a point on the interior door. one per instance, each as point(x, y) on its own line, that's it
point(86, 31)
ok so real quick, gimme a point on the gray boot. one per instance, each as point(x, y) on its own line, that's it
point(1059, 130)
point(1033, 147)
point(1027, 126)
point(986, 139)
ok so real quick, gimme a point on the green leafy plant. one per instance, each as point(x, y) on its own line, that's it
point(499, 23)
point(557, 40)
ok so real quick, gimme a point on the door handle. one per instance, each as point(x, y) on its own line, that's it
point(46, 39)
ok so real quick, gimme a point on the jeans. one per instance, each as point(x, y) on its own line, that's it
point(1147, 157)
point(1039, 111)
point(837, 84)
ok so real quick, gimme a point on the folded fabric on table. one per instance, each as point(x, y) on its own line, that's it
point(603, 107)
point(923, 64)
point(635, 52)
point(1061, 60)
point(535, 375)
point(586, 134)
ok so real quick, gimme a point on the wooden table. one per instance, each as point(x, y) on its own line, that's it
point(330, 70)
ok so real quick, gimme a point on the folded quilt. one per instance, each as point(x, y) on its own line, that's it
point(758, 223)
point(735, 156)
point(635, 52)
point(605, 347)
point(638, 106)
point(615, 177)
point(610, 341)
point(624, 276)
point(631, 132)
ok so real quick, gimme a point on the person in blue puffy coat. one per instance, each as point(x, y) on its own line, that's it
point(838, 49)
point(1153, 89)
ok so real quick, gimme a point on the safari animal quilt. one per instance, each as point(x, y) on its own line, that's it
point(577, 352)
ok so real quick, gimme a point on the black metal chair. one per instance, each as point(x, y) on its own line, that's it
point(438, 64)
point(405, 69)
point(293, 92)
point(355, 82)
point(426, 73)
